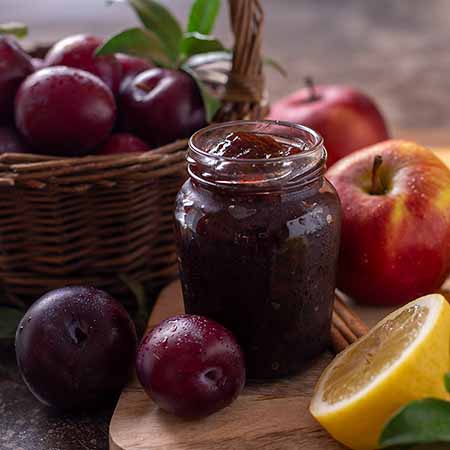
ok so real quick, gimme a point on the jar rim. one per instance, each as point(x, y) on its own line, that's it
point(316, 145)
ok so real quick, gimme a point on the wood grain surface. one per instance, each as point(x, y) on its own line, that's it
point(268, 415)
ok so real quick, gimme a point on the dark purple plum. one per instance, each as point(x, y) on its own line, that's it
point(79, 52)
point(11, 141)
point(191, 366)
point(64, 111)
point(75, 347)
point(162, 105)
point(131, 66)
point(15, 66)
point(119, 143)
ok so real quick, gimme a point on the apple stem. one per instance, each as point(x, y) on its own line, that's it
point(313, 95)
point(376, 187)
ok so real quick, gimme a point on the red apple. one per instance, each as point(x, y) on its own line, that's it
point(347, 119)
point(395, 243)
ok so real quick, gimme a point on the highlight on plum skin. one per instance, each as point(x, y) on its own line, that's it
point(191, 366)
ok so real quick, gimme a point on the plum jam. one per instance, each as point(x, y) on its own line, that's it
point(257, 230)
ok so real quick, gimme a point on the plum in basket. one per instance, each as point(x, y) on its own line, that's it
point(191, 366)
point(161, 106)
point(75, 347)
point(131, 66)
point(119, 143)
point(64, 111)
point(79, 52)
point(11, 141)
point(15, 66)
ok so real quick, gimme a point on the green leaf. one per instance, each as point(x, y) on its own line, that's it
point(420, 422)
point(139, 293)
point(196, 43)
point(276, 65)
point(203, 16)
point(9, 320)
point(18, 29)
point(447, 381)
point(159, 20)
point(137, 42)
point(211, 102)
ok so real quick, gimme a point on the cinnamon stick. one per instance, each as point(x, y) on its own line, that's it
point(346, 326)
point(338, 342)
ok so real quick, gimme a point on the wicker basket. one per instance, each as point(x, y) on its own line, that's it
point(97, 219)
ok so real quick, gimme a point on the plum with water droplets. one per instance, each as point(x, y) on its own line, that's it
point(78, 51)
point(75, 347)
point(191, 366)
point(63, 111)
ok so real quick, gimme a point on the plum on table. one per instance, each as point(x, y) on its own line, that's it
point(75, 347)
point(191, 366)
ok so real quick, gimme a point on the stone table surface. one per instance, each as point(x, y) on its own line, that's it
point(399, 52)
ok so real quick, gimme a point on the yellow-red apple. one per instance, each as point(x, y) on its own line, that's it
point(347, 119)
point(395, 243)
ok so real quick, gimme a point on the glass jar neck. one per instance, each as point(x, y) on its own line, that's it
point(273, 174)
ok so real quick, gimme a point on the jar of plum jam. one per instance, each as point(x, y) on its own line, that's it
point(257, 230)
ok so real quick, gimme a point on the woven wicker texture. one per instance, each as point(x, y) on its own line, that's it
point(97, 219)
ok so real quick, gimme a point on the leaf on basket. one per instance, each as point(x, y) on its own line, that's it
point(203, 16)
point(9, 320)
point(211, 102)
point(195, 43)
point(137, 42)
point(160, 21)
point(418, 423)
point(18, 29)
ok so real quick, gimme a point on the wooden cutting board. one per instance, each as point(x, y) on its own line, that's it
point(268, 415)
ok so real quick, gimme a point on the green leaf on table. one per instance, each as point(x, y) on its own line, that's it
point(447, 381)
point(17, 29)
point(196, 43)
point(420, 422)
point(136, 42)
point(140, 295)
point(160, 21)
point(211, 102)
point(203, 16)
point(9, 320)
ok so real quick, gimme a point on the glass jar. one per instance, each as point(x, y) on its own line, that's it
point(258, 242)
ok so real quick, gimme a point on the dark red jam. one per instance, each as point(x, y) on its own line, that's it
point(243, 145)
point(261, 260)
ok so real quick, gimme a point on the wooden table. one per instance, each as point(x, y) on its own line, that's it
point(397, 51)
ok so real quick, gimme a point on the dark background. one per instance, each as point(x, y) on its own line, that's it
point(398, 51)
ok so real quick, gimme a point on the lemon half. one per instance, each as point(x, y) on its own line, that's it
point(403, 358)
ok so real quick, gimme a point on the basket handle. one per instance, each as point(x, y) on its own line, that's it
point(244, 93)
